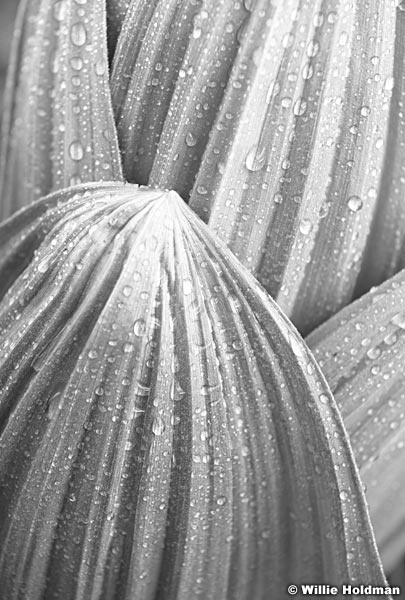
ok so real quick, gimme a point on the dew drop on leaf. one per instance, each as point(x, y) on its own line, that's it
point(190, 139)
point(78, 34)
point(307, 71)
point(255, 159)
point(76, 63)
point(305, 226)
point(399, 320)
point(100, 67)
point(158, 425)
point(76, 151)
point(139, 328)
point(187, 287)
point(313, 48)
point(59, 10)
point(355, 203)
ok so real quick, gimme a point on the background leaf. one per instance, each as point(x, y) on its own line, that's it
point(167, 433)
point(385, 253)
point(361, 351)
point(59, 127)
point(290, 176)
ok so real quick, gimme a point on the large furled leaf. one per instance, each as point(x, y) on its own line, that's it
point(361, 351)
point(59, 126)
point(165, 432)
point(385, 253)
point(290, 176)
point(170, 70)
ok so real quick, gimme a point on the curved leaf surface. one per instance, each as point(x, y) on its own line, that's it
point(290, 176)
point(361, 351)
point(165, 432)
point(169, 73)
point(385, 254)
point(59, 127)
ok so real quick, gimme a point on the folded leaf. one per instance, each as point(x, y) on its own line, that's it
point(386, 244)
point(169, 73)
point(165, 433)
point(361, 351)
point(59, 127)
point(289, 178)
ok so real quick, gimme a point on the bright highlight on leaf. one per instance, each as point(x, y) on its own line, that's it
point(361, 351)
point(59, 126)
point(166, 434)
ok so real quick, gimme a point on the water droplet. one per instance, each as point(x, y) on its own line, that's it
point(127, 291)
point(187, 287)
point(43, 266)
point(78, 34)
point(344, 495)
point(374, 353)
point(59, 10)
point(249, 4)
point(300, 107)
point(399, 320)
point(100, 67)
point(286, 102)
point(365, 111)
point(389, 84)
point(190, 139)
point(255, 159)
point(312, 48)
point(355, 203)
point(76, 151)
point(139, 328)
point(197, 33)
point(221, 500)
point(76, 63)
point(158, 425)
point(128, 347)
point(307, 71)
point(99, 391)
point(305, 226)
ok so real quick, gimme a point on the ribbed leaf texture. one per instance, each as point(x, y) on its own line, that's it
point(58, 127)
point(361, 351)
point(165, 432)
point(291, 172)
point(173, 57)
point(386, 247)
point(116, 12)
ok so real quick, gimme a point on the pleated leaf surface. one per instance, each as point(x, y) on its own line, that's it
point(290, 176)
point(165, 432)
point(58, 127)
point(361, 351)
